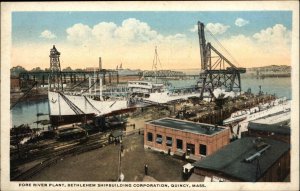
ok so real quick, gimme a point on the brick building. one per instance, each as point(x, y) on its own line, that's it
point(249, 159)
point(172, 135)
point(14, 84)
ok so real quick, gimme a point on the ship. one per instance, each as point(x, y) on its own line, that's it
point(158, 93)
point(240, 119)
point(149, 92)
point(66, 109)
point(143, 88)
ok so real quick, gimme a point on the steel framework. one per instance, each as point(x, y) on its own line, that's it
point(55, 77)
point(216, 70)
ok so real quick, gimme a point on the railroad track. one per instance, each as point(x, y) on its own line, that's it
point(52, 156)
point(34, 152)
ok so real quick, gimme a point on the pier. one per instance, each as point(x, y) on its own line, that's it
point(68, 77)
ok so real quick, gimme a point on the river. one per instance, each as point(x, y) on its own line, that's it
point(26, 112)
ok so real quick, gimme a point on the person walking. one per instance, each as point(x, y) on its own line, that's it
point(146, 169)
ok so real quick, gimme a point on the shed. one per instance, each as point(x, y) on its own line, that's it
point(115, 136)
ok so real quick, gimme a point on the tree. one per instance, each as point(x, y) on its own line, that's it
point(67, 69)
point(79, 70)
point(37, 69)
point(15, 71)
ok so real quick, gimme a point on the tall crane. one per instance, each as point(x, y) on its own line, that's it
point(216, 70)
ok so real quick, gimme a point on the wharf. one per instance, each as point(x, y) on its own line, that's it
point(209, 112)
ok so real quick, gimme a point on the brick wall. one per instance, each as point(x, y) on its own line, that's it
point(212, 142)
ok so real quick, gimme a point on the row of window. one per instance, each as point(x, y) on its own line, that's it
point(179, 144)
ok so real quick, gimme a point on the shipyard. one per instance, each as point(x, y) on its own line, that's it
point(220, 122)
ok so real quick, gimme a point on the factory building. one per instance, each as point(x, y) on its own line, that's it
point(14, 84)
point(273, 131)
point(249, 159)
point(174, 136)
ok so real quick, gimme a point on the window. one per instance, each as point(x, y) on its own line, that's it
point(190, 148)
point(202, 150)
point(179, 143)
point(159, 139)
point(169, 141)
point(150, 136)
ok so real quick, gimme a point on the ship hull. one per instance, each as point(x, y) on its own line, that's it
point(57, 120)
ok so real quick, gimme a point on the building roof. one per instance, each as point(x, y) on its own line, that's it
point(282, 117)
point(116, 133)
point(187, 126)
point(230, 160)
point(283, 130)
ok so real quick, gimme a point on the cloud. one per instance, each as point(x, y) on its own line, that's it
point(130, 32)
point(278, 34)
point(79, 33)
point(47, 34)
point(133, 40)
point(194, 29)
point(241, 22)
point(104, 31)
point(175, 37)
point(135, 30)
point(217, 28)
point(269, 46)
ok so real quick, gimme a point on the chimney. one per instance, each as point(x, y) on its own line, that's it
point(100, 64)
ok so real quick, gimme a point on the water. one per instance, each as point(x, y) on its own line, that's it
point(26, 112)
point(281, 87)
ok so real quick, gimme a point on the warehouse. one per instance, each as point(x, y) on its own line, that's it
point(273, 131)
point(195, 140)
point(248, 159)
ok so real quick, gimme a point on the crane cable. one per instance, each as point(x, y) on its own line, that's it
point(79, 83)
point(73, 106)
point(88, 88)
point(25, 94)
point(219, 43)
point(91, 104)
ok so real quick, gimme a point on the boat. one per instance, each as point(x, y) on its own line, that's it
point(240, 119)
point(144, 88)
point(155, 93)
point(236, 117)
point(65, 109)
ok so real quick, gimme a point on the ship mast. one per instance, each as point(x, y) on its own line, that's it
point(155, 60)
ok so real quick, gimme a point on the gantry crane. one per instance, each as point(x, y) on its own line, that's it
point(216, 70)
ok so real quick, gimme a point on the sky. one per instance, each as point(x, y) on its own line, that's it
point(248, 38)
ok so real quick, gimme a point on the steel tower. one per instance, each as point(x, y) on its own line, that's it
point(55, 78)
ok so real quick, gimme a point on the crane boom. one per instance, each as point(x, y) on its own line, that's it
point(202, 44)
point(216, 70)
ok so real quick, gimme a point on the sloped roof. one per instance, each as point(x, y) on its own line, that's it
point(229, 161)
point(269, 128)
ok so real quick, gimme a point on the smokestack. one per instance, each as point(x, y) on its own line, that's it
point(100, 92)
point(90, 83)
point(100, 64)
